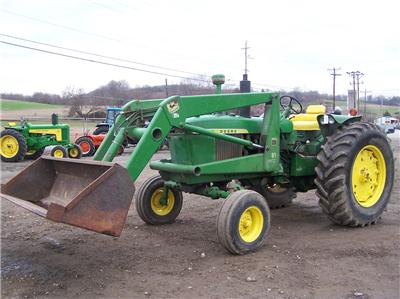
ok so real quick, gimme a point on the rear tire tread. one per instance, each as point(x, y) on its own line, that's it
point(331, 173)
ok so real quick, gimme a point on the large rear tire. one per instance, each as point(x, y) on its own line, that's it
point(12, 146)
point(276, 196)
point(151, 206)
point(355, 174)
point(101, 130)
point(243, 222)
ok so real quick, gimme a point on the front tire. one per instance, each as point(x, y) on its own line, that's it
point(355, 174)
point(12, 146)
point(151, 205)
point(243, 222)
point(74, 152)
point(58, 151)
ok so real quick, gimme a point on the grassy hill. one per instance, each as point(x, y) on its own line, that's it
point(11, 105)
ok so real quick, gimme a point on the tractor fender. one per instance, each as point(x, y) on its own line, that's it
point(335, 122)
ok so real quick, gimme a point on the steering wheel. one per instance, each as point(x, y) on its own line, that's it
point(289, 105)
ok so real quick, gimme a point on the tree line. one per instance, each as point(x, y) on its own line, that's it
point(117, 93)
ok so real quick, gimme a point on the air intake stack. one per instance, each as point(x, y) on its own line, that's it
point(245, 86)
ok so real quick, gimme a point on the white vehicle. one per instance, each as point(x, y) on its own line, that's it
point(387, 123)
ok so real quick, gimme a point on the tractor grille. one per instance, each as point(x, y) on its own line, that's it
point(226, 150)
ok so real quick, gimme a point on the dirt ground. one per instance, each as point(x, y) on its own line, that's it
point(306, 256)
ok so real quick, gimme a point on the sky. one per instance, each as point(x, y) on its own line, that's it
point(292, 43)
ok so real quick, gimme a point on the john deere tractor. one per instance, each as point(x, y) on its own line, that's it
point(29, 141)
point(252, 164)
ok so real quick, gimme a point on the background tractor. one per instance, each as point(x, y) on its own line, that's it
point(29, 141)
point(89, 144)
point(106, 124)
point(253, 164)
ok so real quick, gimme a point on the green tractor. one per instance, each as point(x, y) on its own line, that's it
point(252, 164)
point(29, 141)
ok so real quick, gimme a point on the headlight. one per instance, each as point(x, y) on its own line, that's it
point(327, 120)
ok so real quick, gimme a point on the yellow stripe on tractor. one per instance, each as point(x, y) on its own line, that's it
point(230, 131)
point(56, 132)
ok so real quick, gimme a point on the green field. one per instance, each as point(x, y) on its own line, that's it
point(11, 105)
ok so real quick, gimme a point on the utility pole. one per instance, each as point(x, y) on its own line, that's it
point(334, 74)
point(365, 102)
point(166, 87)
point(246, 56)
point(245, 84)
point(358, 76)
point(356, 81)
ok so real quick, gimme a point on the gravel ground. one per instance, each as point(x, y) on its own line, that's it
point(306, 256)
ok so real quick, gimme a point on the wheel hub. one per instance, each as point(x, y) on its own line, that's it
point(251, 224)
point(58, 153)
point(160, 205)
point(368, 176)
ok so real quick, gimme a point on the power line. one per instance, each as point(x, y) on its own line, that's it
point(99, 55)
point(101, 62)
point(86, 32)
point(61, 26)
point(131, 61)
point(115, 40)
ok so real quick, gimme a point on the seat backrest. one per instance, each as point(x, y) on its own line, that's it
point(316, 109)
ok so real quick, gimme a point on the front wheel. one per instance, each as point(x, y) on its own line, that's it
point(154, 206)
point(355, 174)
point(243, 222)
point(74, 151)
point(57, 151)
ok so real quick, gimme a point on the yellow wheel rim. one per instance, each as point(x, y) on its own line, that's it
point(9, 146)
point(159, 208)
point(58, 153)
point(73, 153)
point(368, 176)
point(251, 224)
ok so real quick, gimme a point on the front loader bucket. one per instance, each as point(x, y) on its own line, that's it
point(88, 194)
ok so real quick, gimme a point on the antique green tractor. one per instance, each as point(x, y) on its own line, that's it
point(29, 141)
point(253, 164)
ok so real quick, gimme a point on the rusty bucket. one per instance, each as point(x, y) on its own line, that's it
point(88, 194)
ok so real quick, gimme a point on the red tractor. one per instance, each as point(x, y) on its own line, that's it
point(90, 143)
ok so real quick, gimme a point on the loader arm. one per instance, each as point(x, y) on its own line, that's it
point(173, 113)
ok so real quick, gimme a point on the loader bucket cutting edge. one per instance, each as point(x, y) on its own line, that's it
point(87, 194)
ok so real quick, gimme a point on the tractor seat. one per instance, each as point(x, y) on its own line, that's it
point(307, 121)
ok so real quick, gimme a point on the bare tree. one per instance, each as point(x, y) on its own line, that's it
point(80, 104)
